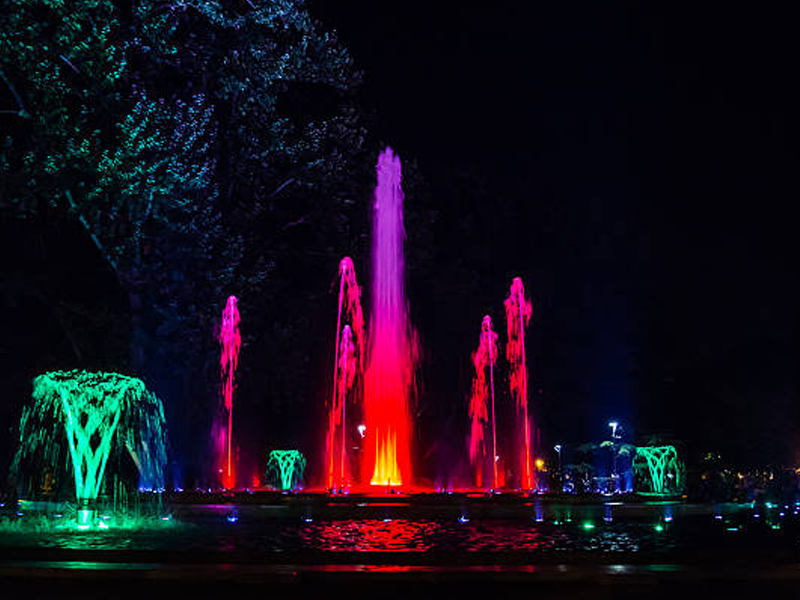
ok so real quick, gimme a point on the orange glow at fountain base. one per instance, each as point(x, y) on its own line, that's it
point(386, 470)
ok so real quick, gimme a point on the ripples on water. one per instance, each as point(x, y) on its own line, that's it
point(362, 535)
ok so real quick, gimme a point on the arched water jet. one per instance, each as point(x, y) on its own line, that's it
point(94, 420)
point(348, 363)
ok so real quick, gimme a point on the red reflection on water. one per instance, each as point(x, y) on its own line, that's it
point(372, 535)
point(401, 535)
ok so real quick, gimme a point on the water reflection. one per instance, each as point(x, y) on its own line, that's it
point(399, 535)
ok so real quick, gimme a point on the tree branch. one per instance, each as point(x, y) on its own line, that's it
point(73, 67)
point(281, 186)
point(21, 112)
point(88, 229)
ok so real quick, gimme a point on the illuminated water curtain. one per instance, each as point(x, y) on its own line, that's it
point(661, 470)
point(286, 467)
point(230, 342)
point(518, 315)
point(392, 344)
point(90, 418)
point(348, 366)
point(483, 359)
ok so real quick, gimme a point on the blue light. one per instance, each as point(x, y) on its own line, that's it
point(463, 519)
point(308, 519)
point(232, 517)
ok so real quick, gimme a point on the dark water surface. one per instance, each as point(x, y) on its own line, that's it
point(230, 532)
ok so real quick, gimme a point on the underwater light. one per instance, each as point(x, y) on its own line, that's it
point(588, 526)
point(659, 527)
point(85, 518)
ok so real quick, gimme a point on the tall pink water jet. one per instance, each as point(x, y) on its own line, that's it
point(348, 361)
point(392, 349)
point(231, 342)
point(518, 315)
point(483, 358)
point(347, 372)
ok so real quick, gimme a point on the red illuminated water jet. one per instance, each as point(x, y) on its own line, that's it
point(231, 342)
point(482, 359)
point(348, 362)
point(518, 314)
point(392, 348)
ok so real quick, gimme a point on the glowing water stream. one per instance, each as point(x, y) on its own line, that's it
point(484, 357)
point(392, 344)
point(348, 364)
point(518, 314)
point(231, 342)
point(98, 417)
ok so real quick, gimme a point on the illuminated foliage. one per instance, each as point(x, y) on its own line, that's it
point(286, 468)
point(198, 145)
point(660, 468)
point(95, 416)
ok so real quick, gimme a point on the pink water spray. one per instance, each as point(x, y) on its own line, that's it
point(483, 358)
point(348, 361)
point(518, 315)
point(231, 342)
point(392, 350)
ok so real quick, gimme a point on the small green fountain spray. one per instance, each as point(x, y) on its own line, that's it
point(663, 464)
point(95, 415)
point(287, 467)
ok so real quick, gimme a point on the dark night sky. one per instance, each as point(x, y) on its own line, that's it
point(633, 164)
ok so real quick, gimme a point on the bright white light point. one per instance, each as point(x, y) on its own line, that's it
point(362, 430)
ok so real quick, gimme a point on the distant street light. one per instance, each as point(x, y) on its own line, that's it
point(615, 478)
point(557, 448)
